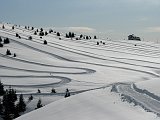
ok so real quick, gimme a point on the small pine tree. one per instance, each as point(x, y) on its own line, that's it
point(72, 36)
point(35, 33)
point(3, 27)
point(95, 37)
point(30, 98)
point(1, 89)
point(53, 90)
point(6, 41)
point(81, 36)
point(38, 91)
point(41, 33)
point(17, 35)
point(30, 37)
point(32, 28)
point(58, 34)
point(46, 33)
point(45, 42)
point(67, 94)
point(8, 52)
point(41, 29)
point(87, 37)
point(25, 27)
point(14, 55)
point(97, 43)
point(1, 45)
point(1, 107)
point(13, 27)
point(37, 30)
point(21, 106)
point(39, 104)
point(50, 31)
point(67, 36)
point(0, 39)
point(9, 99)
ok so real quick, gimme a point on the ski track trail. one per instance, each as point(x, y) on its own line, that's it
point(143, 100)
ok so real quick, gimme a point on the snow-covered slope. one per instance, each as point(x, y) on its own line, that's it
point(81, 66)
point(93, 105)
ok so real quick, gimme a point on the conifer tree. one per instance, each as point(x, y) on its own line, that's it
point(1, 107)
point(21, 106)
point(35, 33)
point(8, 52)
point(58, 34)
point(39, 104)
point(30, 98)
point(1, 45)
point(53, 90)
point(6, 41)
point(0, 39)
point(9, 99)
point(1, 89)
point(67, 94)
point(45, 42)
point(3, 27)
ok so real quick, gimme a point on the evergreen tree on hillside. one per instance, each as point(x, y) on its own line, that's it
point(13, 27)
point(67, 94)
point(50, 31)
point(39, 104)
point(35, 33)
point(53, 90)
point(81, 36)
point(1, 45)
point(95, 37)
point(46, 33)
point(1, 107)
point(41, 33)
point(58, 34)
point(9, 99)
point(41, 29)
point(0, 39)
point(21, 106)
point(30, 37)
point(17, 35)
point(8, 52)
point(30, 98)
point(14, 55)
point(45, 42)
point(6, 41)
point(87, 37)
point(67, 36)
point(1, 89)
point(72, 35)
point(3, 27)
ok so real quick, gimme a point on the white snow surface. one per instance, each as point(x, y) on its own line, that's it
point(93, 105)
point(88, 70)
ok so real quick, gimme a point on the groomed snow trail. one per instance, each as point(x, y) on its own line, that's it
point(143, 100)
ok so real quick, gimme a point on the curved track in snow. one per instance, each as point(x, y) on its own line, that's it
point(145, 101)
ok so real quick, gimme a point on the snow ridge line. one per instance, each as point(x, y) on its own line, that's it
point(144, 91)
